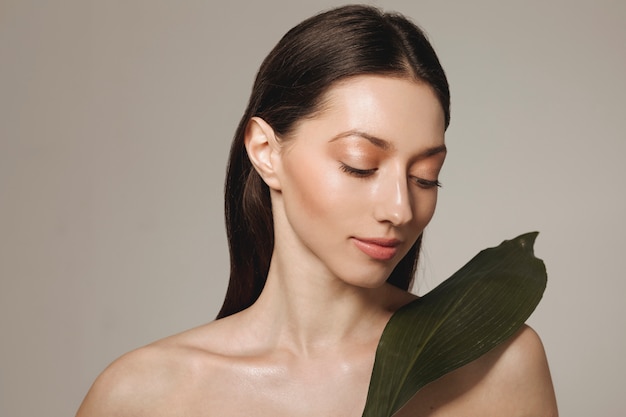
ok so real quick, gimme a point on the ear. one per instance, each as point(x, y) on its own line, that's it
point(263, 150)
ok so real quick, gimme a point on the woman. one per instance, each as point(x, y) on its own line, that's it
point(333, 175)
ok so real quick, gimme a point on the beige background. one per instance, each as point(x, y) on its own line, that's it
point(115, 121)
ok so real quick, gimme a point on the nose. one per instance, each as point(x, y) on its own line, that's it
point(393, 202)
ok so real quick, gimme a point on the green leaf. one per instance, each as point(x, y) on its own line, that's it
point(474, 310)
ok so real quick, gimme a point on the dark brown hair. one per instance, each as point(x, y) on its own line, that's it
point(290, 85)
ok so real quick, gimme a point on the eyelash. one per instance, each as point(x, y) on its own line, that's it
point(427, 183)
point(364, 173)
point(360, 173)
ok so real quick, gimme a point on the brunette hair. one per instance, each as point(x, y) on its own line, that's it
point(290, 85)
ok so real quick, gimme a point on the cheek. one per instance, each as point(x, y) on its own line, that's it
point(314, 187)
point(424, 207)
point(318, 203)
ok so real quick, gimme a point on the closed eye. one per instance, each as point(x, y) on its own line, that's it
point(360, 173)
point(364, 173)
point(421, 182)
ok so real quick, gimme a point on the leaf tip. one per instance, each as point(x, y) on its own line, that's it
point(526, 241)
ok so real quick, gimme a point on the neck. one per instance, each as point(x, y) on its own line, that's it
point(305, 310)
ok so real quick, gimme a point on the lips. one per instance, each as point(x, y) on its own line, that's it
point(378, 248)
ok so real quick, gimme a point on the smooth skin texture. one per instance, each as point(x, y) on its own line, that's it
point(352, 188)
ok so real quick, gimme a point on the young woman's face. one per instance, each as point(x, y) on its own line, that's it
point(359, 181)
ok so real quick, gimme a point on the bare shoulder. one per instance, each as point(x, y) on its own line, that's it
point(513, 380)
point(156, 379)
point(520, 375)
point(123, 386)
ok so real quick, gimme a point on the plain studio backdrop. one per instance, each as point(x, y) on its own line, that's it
point(115, 123)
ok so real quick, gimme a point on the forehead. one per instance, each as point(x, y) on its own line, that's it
point(394, 108)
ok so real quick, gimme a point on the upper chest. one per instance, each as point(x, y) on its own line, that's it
point(255, 387)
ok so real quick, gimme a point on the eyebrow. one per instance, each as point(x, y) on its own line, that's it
point(385, 145)
point(378, 142)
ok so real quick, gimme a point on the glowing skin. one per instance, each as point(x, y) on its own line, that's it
point(358, 182)
point(351, 188)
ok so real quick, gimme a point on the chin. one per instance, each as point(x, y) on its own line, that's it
point(368, 281)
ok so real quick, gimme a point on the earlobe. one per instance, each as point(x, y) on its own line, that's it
point(262, 148)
